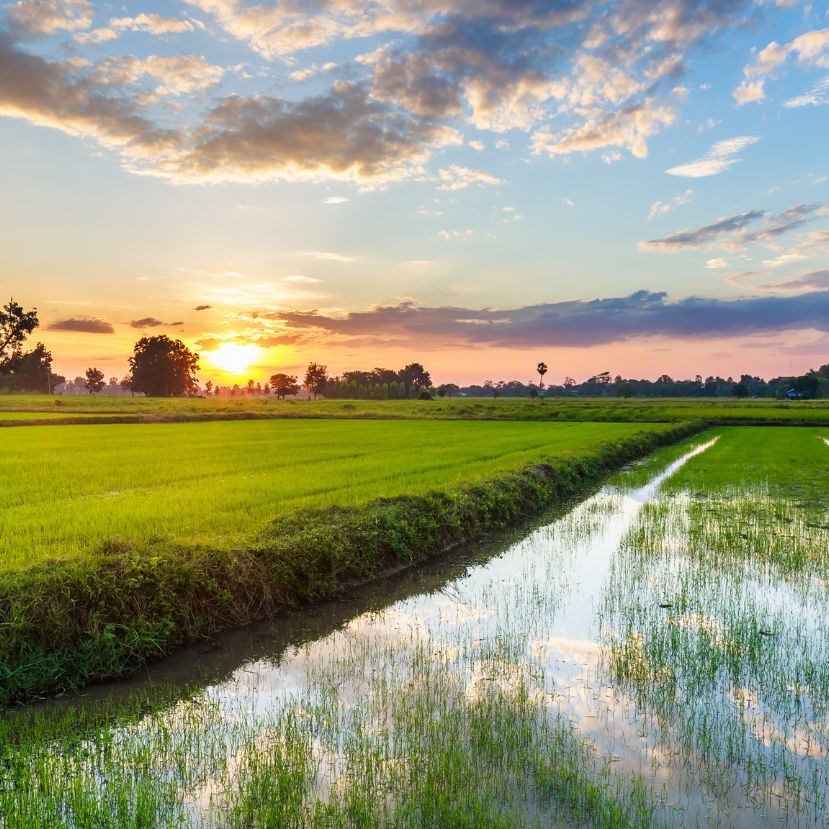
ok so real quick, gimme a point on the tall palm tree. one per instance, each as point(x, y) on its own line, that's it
point(542, 370)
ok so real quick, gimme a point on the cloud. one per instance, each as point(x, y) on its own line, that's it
point(451, 234)
point(147, 322)
point(715, 264)
point(607, 73)
point(457, 177)
point(176, 75)
point(660, 208)
point(569, 323)
point(303, 280)
point(814, 281)
point(44, 17)
point(327, 255)
point(337, 200)
point(811, 49)
point(202, 307)
point(151, 23)
point(83, 326)
point(784, 259)
point(628, 128)
point(750, 91)
point(732, 232)
point(695, 237)
point(721, 157)
point(817, 96)
point(342, 134)
point(54, 94)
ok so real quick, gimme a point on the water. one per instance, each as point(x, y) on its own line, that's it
point(624, 657)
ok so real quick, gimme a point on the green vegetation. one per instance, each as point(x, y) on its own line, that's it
point(108, 565)
point(715, 616)
point(605, 409)
point(74, 489)
point(652, 658)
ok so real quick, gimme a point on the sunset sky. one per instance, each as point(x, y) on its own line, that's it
point(639, 186)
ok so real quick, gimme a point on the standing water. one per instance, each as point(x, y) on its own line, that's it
point(585, 675)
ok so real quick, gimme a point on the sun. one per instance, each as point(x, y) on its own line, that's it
point(234, 358)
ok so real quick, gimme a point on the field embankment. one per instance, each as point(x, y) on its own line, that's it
point(121, 544)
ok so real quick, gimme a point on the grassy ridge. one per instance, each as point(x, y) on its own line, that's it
point(102, 614)
point(15, 409)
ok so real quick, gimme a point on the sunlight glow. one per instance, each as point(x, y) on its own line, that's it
point(234, 358)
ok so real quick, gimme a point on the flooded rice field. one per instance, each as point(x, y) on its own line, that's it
point(658, 655)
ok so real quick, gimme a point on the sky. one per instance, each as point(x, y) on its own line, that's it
point(638, 186)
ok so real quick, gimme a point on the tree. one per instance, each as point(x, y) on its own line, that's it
point(208, 387)
point(31, 371)
point(15, 325)
point(126, 385)
point(315, 378)
point(163, 367)
point(626, 389)
point(94, 380)
point(284, 384)
point(541, 368)
point(415, 375)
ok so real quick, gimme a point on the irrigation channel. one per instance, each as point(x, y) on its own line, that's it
point(522, 683)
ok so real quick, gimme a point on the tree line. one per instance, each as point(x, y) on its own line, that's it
point(164, 367)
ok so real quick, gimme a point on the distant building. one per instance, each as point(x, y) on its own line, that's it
point(794, 394)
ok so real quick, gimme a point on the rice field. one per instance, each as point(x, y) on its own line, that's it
point(70, 489)
point(655, 656)
point(14, 408)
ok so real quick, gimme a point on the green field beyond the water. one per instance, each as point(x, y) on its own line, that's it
point(14, 408)
point(67, 489)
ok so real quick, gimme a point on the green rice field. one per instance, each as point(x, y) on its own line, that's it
point(715, 410)
point(69, 489)
point(655, 656)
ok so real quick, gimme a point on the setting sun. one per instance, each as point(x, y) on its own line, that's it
point(234, 358)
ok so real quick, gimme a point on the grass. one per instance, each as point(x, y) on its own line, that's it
point(72, 489)
point(635, 663)
point(715, 611)
point(714, 410)
point(237, 521)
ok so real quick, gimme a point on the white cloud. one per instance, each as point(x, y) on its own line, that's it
point(817, 96)
point(567, 201)
point(810, 49)
point(450, 235)
point(337, 200)
point(721, 157)
point(457, 177)
point(784, 259)
point(749, 91)
point(44, 17)
point(716, 264)
point(628, 128)
point(151, 23)
point(660, 208)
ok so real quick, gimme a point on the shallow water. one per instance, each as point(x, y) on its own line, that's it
point(636, 652)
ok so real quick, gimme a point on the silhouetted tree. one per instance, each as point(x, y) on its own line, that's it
point(15, 325)
point(415, 375)
point(94, 380)
point(284, 384)
point(163, 367)
point(208, 387)
point(541, 368)
point(315, 378)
